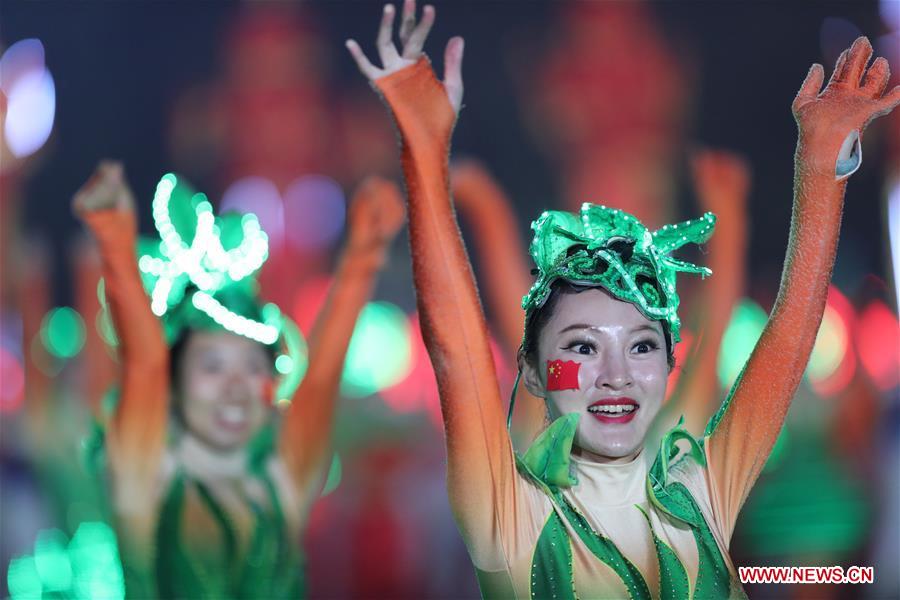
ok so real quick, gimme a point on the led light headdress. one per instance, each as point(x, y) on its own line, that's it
point(612, 249)
point(199, 275)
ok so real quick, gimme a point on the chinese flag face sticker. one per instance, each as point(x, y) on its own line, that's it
point(562, 375)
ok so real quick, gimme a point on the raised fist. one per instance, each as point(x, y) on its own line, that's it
point(105, 190)
point(376, 215)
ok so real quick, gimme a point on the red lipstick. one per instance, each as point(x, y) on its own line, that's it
point(628, 410)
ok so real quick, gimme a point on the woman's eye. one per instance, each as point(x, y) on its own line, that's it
point(645, 347)
point(581, 348)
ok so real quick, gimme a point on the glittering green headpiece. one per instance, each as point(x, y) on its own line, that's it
point(199, 275)
point(611, 249)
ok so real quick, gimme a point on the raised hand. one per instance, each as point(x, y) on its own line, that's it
point(412, 38)
point(832, 121)
point(376, 215)
point(105, 190)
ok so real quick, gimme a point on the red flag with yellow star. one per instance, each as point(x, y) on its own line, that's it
point(562, 375)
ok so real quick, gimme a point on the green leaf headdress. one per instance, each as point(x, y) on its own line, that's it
point(199, 275)
point(612, 249)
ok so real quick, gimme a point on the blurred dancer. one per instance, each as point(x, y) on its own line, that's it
point(198, 516)
point(586, 512)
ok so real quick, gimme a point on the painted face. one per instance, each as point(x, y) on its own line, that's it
point(224, 390)
point(601, 358)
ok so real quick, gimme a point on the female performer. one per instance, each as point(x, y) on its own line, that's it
point(587, 511)
point(197, 517)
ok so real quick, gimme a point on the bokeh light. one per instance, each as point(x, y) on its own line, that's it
point(893, 210)
point(52, 561)
point(879, 352)
point(12, 381)
point(890, 14)
point(63, 333)
point(314, 212)
point(88, 566)
point(747, 322)
point(259, 196)
point(31, 97)
point(379, 354)
point(418, 390)
point(833, 362)
point(23, 580)
point(94, 555)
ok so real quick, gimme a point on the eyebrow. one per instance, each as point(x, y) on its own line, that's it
point(646, 328)
point(635, 330)
point(575, 326)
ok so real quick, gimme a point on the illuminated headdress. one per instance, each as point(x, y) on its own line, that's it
point(611, 249)
point(199, 275)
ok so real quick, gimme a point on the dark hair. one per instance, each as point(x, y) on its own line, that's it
point(541, 316)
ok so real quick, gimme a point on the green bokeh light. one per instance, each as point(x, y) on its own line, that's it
point(379, 354)
point(52, 561)
point(63, 332)
point(747, 323)
point(284, 364)
point(86, 567)
point(22, 579)
point(94, 556)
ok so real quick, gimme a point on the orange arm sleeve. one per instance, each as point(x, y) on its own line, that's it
point(488, 210)
point(305, 437)
point(481, 469)
point(742, 433)
point(697, 394)
point(137, 431)
point(484, 205)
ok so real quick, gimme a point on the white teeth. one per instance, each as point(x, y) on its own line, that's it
point(613, 408)
point(233, 414)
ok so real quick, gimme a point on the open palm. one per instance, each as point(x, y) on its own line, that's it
point(412, 37)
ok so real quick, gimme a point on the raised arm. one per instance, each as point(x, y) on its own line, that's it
point(501, 253)
point(376, 215)
point(480, 458)
point(136, 432)
point(721, 182)
point(742, 433)
point(484, 205)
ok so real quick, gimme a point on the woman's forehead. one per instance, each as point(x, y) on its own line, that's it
point(595, 308)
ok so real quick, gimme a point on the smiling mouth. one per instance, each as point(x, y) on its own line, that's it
point(233, 418)
point(614, 410)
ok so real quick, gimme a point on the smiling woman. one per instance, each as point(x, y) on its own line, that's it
point(206, 504)
point(587, 512)
point(613, 360)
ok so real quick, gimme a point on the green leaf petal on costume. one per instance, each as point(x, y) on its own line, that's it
point(548, 458)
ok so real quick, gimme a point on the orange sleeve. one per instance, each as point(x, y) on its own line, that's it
point(742, 433)
point(481, 470)
point(501, 253)
point(698, 393)
point(305, 437)
point(137, 431)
